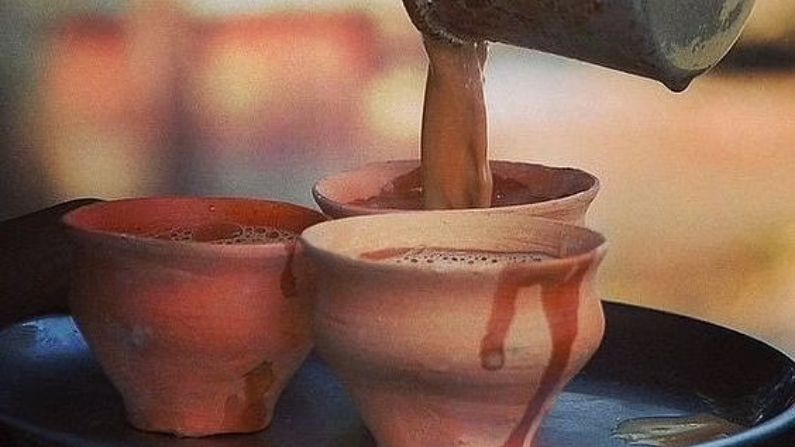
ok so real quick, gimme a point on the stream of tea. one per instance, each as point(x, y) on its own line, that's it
point(455, 168)
point(455, 173)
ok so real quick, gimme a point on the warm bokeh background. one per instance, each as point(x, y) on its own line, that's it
point(260, 98)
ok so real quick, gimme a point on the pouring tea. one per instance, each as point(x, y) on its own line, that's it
point(671, 41)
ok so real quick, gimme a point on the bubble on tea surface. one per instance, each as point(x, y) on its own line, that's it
point(216, 231)
point(226, 233)
point(443, 256)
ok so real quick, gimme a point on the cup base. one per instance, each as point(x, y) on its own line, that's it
point(195, 423)
point(193, 415)
point(408, 415)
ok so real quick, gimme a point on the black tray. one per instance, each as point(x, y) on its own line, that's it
point(651, 364)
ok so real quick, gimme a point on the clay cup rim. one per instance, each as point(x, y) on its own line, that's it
point(124, 223)
point(343, 242)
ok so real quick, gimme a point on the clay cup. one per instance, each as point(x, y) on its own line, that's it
point(200, 338)
point(525, 188)
point(463, 350)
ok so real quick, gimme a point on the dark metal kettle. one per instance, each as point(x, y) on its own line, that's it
point(672, 41)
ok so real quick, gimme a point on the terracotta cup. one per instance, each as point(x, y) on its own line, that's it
point(200, 338)
point(525, 188)
point(453, 353)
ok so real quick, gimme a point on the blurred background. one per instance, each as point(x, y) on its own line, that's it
point(109, 98)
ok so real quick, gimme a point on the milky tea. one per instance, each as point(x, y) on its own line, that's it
point(226, 233)
point(454, 257)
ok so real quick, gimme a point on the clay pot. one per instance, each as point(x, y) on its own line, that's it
point(524, 188)
point(199, 338)
point(440, 354)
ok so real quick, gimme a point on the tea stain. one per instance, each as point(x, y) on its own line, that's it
point(492, 346)
point(560, 304)
point(287, 280)
point(257, 384)
point(675, 431)
point(386, 253)
point(259, 380)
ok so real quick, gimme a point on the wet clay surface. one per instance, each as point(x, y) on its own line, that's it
point(405, 193)
point(560, 304)
point(287, 280)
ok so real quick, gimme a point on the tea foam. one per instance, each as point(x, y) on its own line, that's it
point(450, 257)
point(227, 233)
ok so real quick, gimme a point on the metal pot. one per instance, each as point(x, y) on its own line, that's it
point(672, 41)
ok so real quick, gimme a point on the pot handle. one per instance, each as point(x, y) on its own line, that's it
point(36, 258)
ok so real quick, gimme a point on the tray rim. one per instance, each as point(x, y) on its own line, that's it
point(780, 425)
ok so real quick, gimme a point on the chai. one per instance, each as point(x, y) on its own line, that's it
point(455, 169)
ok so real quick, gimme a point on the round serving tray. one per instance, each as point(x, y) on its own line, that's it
point(651, 364)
